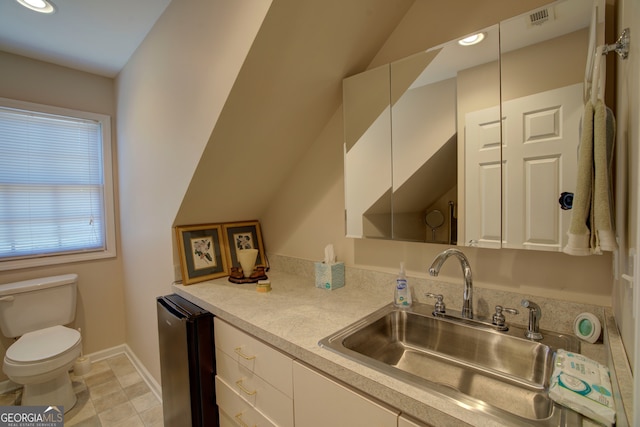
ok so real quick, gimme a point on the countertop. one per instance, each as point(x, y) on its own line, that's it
point(295, 315)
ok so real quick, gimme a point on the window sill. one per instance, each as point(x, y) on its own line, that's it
point(55, 259)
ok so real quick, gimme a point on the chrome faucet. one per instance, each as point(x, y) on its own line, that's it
point(533, 331)
point(467, 296)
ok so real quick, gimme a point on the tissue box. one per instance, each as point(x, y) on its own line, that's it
point(329, 276)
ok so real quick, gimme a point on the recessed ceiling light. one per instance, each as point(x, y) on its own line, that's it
point(42, 6)
point(471, 40)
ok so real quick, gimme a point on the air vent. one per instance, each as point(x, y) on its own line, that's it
point(541, 16)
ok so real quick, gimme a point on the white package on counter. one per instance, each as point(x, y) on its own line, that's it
point(583, 385)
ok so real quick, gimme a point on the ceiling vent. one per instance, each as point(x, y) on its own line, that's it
point(541, 16)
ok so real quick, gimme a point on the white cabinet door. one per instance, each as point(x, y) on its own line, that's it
point(320, 402)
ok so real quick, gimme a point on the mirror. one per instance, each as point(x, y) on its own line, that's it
point(486, 135)
point(397, 171)
point(367, 172)
point(543, 64)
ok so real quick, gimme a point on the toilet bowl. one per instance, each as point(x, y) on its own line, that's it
point(40, 361)
point(45, 351)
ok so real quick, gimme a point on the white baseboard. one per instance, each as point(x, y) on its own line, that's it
point(8, 385)
point(144, 373)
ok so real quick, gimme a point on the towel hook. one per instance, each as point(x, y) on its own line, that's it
point(621, 46)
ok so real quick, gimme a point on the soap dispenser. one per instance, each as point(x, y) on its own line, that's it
point(402, 295)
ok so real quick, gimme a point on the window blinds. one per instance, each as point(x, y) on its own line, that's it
point(51, 184)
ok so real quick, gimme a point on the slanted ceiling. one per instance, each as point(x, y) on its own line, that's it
point(291, 85)
point(287, 90)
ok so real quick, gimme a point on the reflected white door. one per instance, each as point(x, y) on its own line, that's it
point(482, 215)
point(540, 154)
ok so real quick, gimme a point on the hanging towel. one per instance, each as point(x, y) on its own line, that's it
point(604, 131)
point(591, 230)
point(579, 241)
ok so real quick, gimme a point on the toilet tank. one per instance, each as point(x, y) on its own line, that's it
point(37, 304)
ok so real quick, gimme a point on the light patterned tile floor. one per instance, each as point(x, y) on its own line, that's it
point(111, 394)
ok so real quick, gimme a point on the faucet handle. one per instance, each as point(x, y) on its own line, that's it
point(498, 318)
point(439, 307)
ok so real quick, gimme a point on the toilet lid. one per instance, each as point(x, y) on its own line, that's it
point(43, 344)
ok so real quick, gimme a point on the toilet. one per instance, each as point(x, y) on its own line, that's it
point(40, 359)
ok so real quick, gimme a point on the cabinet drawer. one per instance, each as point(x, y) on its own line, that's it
point(268, 363)
point(236, 412)
point(263, 396)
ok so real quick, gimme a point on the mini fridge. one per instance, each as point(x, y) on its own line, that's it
point(187, 363)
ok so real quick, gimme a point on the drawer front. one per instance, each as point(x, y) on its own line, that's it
point(268, 363)
point(236, 412)
point(256, 391)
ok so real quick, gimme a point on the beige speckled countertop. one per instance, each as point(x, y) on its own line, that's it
point(295, 315)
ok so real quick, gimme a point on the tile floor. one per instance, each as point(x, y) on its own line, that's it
point(111, 394)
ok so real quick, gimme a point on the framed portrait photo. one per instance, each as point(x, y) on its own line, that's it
point(244, 235)
point(202, 252)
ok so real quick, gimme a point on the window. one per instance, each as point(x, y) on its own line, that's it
point(56, 195)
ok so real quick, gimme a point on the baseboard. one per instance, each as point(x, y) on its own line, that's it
point(146, 376)
point(7, 386)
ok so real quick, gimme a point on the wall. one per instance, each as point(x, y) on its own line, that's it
point(626, 301)
point(289, 86)
point(100, 311)
point(169, 95)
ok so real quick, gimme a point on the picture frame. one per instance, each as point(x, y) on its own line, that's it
point(203, 255)
point(244, 235)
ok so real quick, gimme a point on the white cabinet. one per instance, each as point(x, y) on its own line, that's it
point(253, 379)
point(257, 385)
point(320, 402)
point(256, 356)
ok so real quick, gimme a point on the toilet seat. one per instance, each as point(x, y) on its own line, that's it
point(39, 355)
point(43, 344)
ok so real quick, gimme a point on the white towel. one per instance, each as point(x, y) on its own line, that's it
point(579, 242)
point(604, 131)
point(591, 230)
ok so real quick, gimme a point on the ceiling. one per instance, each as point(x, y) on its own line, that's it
point(89, 35)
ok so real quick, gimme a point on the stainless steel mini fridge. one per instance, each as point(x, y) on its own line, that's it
point(187, 363)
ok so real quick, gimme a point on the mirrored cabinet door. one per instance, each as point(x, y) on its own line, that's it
point(478, 107)
point(543, 66)
point(405, 144)
point(367, 154)
point(423, 147)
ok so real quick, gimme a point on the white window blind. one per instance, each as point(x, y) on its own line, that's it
point(52, 184)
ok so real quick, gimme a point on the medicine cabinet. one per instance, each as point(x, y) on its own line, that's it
point(472, 145)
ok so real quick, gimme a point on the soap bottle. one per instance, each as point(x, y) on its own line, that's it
point(402, 295)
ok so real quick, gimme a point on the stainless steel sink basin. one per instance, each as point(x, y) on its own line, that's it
point(500, 373)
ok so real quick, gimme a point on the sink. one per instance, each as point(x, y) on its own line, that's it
point(500, 373)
